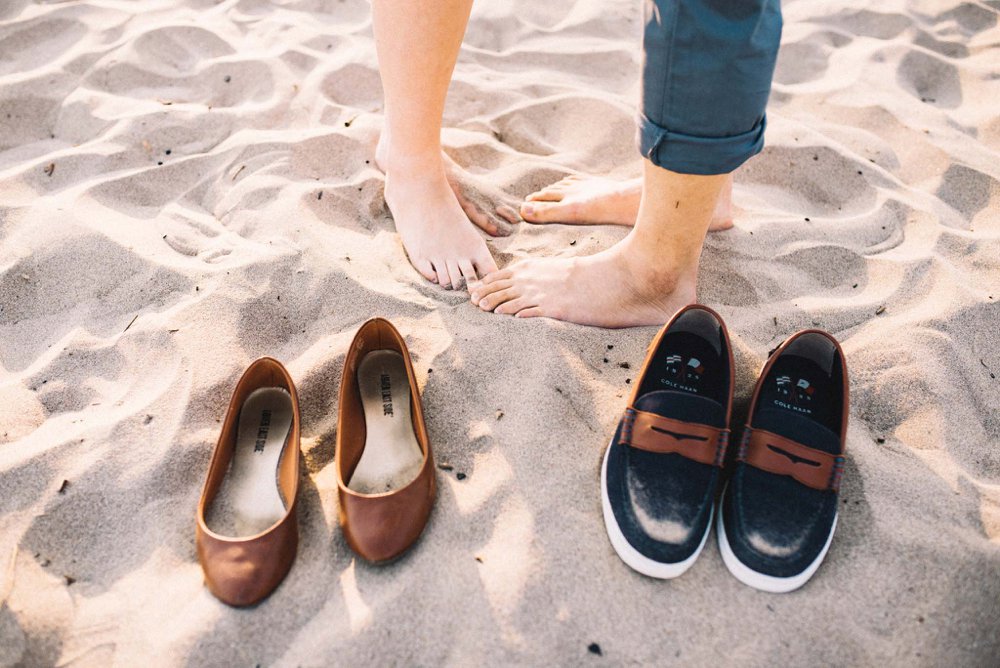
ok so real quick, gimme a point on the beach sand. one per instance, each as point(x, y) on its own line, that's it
point(185, 186)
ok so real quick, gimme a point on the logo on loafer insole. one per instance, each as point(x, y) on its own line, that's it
point(683, 376)
point(385, 385)
point(265, 426)
point(794, 398)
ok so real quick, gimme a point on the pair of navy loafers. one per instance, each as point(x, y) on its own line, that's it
point(672, 451)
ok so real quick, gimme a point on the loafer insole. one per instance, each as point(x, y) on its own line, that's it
point(392, 457)
point(799, 391)
point(249, 500)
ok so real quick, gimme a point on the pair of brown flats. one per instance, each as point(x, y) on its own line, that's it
point(247, 530)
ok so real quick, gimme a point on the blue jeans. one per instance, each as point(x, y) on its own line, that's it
point(706, 75)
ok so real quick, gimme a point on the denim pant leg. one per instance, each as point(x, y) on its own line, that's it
point(706, 75)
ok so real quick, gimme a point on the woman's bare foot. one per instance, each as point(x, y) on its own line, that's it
point(490, 208)
point(439, 239)
point(473, 195)
point(595, 200)
point(623, 286)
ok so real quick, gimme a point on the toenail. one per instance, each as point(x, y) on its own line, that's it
point(528, 209)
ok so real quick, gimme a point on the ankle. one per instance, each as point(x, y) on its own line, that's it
point(657, 271)
point(415, 170)
point(418, 160)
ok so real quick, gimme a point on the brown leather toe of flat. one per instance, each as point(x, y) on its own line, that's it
point(243, 572)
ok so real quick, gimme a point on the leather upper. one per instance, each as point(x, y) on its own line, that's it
point(656, 433)
point(379, 527)
point(242, 571)
point(776, 454)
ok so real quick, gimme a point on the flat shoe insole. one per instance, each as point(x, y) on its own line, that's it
point(392, 457)
point(249, 500)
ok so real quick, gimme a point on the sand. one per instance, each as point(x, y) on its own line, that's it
point(185, 186)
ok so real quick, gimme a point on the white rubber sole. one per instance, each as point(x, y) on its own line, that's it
point(632, 557)
point(761, 581)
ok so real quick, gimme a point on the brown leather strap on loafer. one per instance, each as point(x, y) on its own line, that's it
point(655, 433)
point(770, 452)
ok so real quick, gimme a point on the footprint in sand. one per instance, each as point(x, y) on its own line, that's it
point(821, 178)
point(38, 43)
point(930, 79)
point(808, 59)
point(968, 190)
point(606, 129)
point(353, 85)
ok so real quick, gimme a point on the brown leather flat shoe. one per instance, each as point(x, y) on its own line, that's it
point(385, 469)
point(247, 532)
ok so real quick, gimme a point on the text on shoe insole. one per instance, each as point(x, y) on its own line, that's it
point(262, 431)
point(385, 385)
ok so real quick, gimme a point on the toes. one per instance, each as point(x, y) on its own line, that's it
point(441, 269)
point(493, 277)
point(472, 211)
point(509, 214)
point(483, 289)
point(426, 270)
point(548, 194)
point(545, 212)
point(502, 226)
point(484, 263)
point(468, 273)
point(497, 300)
point(479, 218)
point(514, 306)
point(455, 274)
point(533, 312)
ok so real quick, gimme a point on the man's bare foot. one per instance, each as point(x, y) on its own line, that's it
point(623, 286)
point(475, 197)
point(594, 200)
point(441, 242)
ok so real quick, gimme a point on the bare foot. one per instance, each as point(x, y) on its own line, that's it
point(490, 208)
point(439, 239)
point(594, 200)
point(475, 197)
point(623, 286)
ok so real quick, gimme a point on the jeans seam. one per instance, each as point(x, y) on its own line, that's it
point(668, 75)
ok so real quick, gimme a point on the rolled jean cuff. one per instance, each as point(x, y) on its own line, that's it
point(691, 154)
